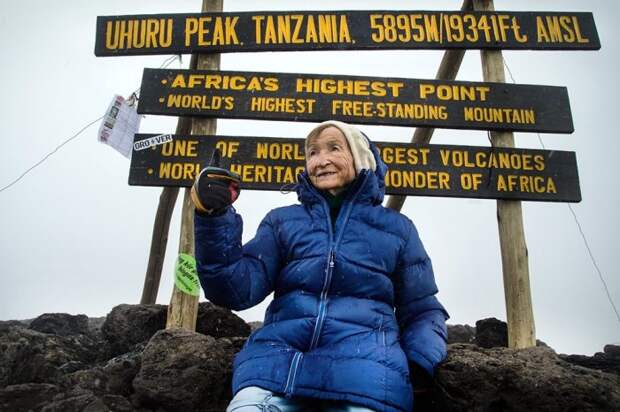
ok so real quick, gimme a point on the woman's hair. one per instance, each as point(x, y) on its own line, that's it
point(317, 131)
point(358, 143)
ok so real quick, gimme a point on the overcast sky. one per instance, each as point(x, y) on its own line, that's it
point(74, 237)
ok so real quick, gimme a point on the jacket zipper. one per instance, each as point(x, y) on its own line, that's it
point(323, 301)
point(292, 372)
point(290, 381)
point(330, 266)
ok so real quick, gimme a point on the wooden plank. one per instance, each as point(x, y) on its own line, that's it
point(448, 69)
point(343, 30)
point(356, 99)
point(267, 163)
point(161, 225)
point(515, 267)
point(183, 307)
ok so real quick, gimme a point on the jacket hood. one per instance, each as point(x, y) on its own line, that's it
point(371, 185)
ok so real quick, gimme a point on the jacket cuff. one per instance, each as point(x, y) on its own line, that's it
point(206, 221)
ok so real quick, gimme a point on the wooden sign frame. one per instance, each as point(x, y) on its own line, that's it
point(342, 30)
point(267, 163)
point(356, 99)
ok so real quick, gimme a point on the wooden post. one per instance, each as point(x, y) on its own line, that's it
point(521, 333)
point(448, 69)
point(183, 308)
point(159, 241)
point(161, 226)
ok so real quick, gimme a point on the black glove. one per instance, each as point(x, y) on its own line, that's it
point(214, 190)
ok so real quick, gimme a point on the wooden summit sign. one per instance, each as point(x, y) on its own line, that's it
point(341, 30)
point(420, 170)
point(356, 99)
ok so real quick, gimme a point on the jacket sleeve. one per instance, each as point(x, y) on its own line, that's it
point(421, 318)
point(231, 275)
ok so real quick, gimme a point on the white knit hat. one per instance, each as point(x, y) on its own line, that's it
point(358, 143)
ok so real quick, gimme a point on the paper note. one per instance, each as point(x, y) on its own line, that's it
point(118, 126)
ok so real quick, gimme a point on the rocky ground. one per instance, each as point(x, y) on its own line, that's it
point(128, 362)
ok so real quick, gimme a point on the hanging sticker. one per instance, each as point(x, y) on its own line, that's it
point(185, 275)
point(152, 141)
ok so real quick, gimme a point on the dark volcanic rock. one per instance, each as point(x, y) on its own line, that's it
point(95, 324)
point(127, 325)
point(501, 379)
point(61, 324)
point(236, 342)
point(461, 334)
point(117, 403)
point(70, 367)
point(27, 396)
point(612, 351)
point(76, 400)
point(81, 400)
point(113, 377)
point(41, 397)
point(121, 371)
point(219, 322)
point(491, 333)
point(28, 356)
point(5, 325)
point(607, 361)
point(255, 325)
point(185, 371)
point(94, 380)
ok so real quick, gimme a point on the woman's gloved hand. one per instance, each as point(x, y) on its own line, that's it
point(214, 190)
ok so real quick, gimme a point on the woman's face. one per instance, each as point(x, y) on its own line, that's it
point(329, 161)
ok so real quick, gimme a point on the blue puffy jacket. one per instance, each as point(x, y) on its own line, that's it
point(352, 305)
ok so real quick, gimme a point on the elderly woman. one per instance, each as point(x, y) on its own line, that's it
point(354, 308)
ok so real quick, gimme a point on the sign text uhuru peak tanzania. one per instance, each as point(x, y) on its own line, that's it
point(355, 99)
point(428, 170)
point(254, 31)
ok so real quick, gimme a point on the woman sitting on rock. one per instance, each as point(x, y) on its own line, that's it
point(354, 309)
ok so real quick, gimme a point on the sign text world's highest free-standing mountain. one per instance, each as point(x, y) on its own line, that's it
point(356, 99)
